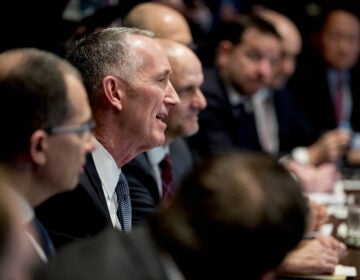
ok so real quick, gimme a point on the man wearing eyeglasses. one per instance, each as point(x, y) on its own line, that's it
point(44, 146)
point(126, 73)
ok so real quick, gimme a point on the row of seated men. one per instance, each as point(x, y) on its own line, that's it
point(184, 239)
point(131, 141)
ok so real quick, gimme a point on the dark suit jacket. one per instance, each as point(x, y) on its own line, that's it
point(218, 126)
point(294, 128)
point(312, 95)
point(144, 192)
point(77, 214)
point(111, 255)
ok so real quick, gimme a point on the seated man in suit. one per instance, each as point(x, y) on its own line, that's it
point(326, 77)
point(316, 168)
point(247, 52)
point(246, 62)
point(324, 148)
point(244, 69)
point(144, 172)
point(309, 257)
point(126, 73)
point(236, 216)
point(48, 136)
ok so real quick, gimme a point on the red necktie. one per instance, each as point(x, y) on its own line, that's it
point(167, 178)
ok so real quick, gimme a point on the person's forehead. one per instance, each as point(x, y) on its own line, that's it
point(148, 49)
point(253, 33)
point(154, 61)
point(257, 40)
point(189, 74)
point(339, 19)
point(189, 67)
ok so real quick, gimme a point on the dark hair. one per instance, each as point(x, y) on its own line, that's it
point(349, 6)
point(233, 31)
point(236, 213)
point(33, 95)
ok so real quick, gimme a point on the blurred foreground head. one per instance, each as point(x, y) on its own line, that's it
point(237, 213)
point(46, 101)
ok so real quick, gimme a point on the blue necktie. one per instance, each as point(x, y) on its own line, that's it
point(124, 203)
point(247, 137)
point(45, 239)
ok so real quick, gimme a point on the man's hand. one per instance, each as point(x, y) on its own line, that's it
point(313, 256)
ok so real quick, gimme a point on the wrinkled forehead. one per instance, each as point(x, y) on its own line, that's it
point(153, 56)
point(147, 48)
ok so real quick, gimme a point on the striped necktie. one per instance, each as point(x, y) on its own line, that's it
point(124, 204)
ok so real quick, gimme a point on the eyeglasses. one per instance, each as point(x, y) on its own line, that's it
point(78, 129)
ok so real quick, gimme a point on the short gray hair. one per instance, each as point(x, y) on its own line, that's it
point(107, 52)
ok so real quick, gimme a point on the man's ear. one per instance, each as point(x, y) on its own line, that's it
point(38, 146)
point(114, 90)
point(224, 50)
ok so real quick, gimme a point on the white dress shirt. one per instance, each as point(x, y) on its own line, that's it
point(155, 156)
point(266, 121)
point(27, 215)
point(109, 174)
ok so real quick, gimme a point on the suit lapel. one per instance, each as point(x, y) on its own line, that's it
point(91, 182)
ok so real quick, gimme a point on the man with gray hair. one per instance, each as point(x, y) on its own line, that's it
point(127, 75)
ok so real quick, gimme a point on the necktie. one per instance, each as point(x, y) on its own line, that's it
point(339, 96)
point(124, 204)
point(167, 179)
point(45, 239)
point(247, 137)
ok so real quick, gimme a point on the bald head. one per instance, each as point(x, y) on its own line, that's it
point(177, 52)
point(291, 45)
point(186, 78)
point(164, 21)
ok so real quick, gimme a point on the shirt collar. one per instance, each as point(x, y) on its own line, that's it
point(234, 97)
point(106, 167)
point(157, 154)
point(27, 212)
point(261, 95)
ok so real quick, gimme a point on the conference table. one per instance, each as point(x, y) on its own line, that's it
point(353, 257)
point(337, 217)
